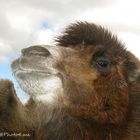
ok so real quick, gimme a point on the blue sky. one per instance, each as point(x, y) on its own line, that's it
point(25, 23)
point(5, 71)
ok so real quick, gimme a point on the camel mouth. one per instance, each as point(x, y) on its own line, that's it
point(22, 66)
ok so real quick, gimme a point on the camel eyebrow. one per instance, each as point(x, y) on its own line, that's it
point(99, 53)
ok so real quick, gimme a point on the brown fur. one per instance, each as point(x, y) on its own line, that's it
point(13, 115)
point(98, 104)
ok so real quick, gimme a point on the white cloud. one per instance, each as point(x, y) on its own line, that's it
point(4, 48)
point(45, 37)
point(21, 21)
point(122, 13)
point(131, 42)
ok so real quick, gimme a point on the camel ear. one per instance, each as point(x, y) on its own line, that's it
point(133, 69)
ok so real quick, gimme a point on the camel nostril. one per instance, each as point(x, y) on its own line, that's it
point(35, 50)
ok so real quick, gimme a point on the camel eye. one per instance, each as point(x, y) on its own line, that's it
point(102, 65)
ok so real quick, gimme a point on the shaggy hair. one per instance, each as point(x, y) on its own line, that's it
point(101, 90)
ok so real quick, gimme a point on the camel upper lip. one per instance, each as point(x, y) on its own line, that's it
point(17, 67)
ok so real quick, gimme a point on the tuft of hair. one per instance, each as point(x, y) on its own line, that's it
point(89, 33)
